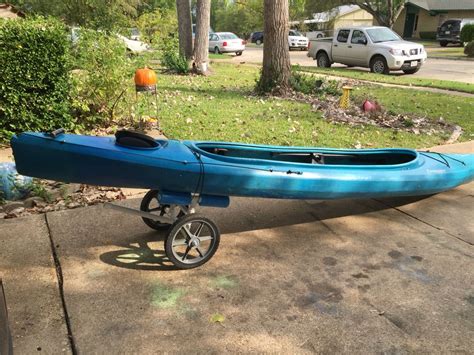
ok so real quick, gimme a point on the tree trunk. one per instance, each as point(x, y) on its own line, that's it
point(276, 70)
point(201, 40)
point(185, 29)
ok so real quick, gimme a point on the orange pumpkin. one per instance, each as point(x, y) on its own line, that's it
point(145, 78)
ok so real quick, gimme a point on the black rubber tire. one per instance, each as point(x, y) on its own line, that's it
point(411, 71)
point(319, 36)
point(238, 53)
point(216, 50)
point(175, 229)
point(322, 60)
point(144, 206)
point(378, 65)
point(258, 42)
point(443, 43)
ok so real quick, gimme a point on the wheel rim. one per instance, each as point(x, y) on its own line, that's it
point(322, 61)
point(379, 67)
point(193, 241)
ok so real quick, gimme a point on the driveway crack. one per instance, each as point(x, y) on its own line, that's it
point(424, 222)
point(59, 275)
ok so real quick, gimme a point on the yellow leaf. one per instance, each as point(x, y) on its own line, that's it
point(217, 318)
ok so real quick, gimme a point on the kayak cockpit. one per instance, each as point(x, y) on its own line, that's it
point(310, 156)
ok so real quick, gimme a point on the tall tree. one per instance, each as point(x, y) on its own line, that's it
point(201, 40)
point(276, 72)
point(385, 12)
point(185, 28)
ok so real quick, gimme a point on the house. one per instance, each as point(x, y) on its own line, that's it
point(341, 16)
point(421, 18)
point(8, 11)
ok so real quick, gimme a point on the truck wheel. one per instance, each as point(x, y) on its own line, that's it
point(443, 43)
point(323, 60)
point(411, 71)
point(258, 42)
point(378, 65)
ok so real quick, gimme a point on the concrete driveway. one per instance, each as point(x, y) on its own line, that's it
point(443, 69)
point(390, 276)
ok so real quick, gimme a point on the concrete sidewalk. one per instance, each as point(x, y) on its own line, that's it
point(352, 276)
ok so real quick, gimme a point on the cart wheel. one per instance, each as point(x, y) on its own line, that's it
point(150, 203)
point(192, 241)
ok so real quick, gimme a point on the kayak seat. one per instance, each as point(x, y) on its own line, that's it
point(132, 139)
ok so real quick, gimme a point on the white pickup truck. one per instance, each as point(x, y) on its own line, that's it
point(374, 47)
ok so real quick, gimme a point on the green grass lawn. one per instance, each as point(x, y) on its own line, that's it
point(394, 78)
point(222, 107)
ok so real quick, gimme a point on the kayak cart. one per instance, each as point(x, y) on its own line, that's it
point(192, 239)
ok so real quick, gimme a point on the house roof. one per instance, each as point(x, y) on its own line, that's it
point(433, 5)
point(337, 11)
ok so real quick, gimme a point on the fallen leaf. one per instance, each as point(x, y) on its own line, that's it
point(217, 318)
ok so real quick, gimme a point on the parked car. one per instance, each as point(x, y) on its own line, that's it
point(256, 37)
point(374, 47)
point(133, 46)
point(297, 40)
point(450, 31)
point(226, 42)
point(315, 34)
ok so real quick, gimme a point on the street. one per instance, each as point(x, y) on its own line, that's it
point(442, 69)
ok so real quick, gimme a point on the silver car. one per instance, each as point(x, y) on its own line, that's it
point(226, 42)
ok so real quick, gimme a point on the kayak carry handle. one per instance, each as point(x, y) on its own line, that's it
point(57, 132)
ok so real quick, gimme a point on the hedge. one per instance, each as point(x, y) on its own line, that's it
point(469, 49)
point(34, 72)
point(467, 33)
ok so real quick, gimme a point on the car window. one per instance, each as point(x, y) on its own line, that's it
point(228, 36)
point(451, 26)
point(358, 37)
point(382, 34)
point(295, 33)
point(343, 36)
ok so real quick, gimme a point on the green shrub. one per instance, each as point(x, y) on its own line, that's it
point(309, 84)
point(467, 33)
point(469, 49)
point(101, 77)
point(34, 76)
point(172, 60)
point(428, 35)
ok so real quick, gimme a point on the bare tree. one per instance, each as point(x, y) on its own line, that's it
point(276, 71)
point(201, 40)
point(185, 30)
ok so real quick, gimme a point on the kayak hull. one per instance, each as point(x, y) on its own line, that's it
point(230, 169)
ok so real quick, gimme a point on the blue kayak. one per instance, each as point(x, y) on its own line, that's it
point(233, 169)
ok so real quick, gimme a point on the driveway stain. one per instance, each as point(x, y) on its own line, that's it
point(470, 300)
point(165, 297)
point(395, 254)
point(360, 275)
point(321, 296)
point(329, 261)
